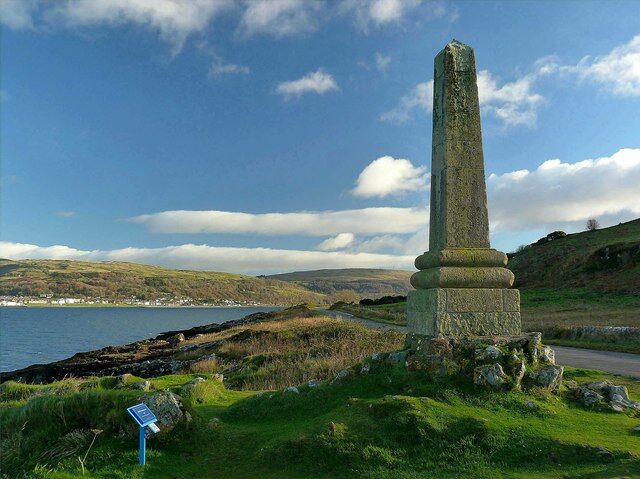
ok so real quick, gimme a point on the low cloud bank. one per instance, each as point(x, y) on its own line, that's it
point(214, 258)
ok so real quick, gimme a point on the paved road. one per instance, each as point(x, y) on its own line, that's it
point(626, 364)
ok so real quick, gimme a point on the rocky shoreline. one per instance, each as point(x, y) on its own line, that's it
point(146, 358)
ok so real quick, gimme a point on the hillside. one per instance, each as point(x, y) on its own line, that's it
point(603, 260)
point(364, 282)
point(116, 281)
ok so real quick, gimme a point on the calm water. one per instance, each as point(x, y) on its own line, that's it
point(41, 335)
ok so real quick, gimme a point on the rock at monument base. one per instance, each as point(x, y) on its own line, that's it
point(496, 362)
point(463, 311)
point(603, 395)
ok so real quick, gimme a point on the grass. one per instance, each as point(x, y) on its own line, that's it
point(604, 260)
point(390, 423)
point(292, 350)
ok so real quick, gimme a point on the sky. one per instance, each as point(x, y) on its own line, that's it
point(269, 136)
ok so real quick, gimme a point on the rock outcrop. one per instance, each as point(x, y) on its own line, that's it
point(496, 362)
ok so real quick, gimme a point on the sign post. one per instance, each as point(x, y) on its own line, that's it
point(146, 420)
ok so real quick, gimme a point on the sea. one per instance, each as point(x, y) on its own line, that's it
point(36, 335)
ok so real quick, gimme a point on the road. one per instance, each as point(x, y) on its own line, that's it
point(625, 364)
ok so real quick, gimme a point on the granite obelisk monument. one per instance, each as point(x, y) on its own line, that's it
point(462, 288)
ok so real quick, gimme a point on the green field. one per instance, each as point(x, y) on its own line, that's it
point(387, 423)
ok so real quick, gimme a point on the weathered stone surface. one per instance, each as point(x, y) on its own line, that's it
point(460, 311)
point(492, 376)
point(476, 357)
point(549, 377)
point(343, 374)
point(142, 385)
point(605, 395)
point(462, 277)
point(510, 300)
point(459, 217)
point(547, 355)
point(168, 408)
point(398, 357)
point(463, 300)
point(459, 256)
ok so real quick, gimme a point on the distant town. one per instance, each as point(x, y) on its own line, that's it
point(50, 300)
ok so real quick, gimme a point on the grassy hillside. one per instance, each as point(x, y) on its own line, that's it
point(388, 423)
point(603, 260)
point(115, 280)
point(364, 282)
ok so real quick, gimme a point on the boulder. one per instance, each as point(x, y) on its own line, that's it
point(476, 357)
point(313, 383)
point(492, 376)
point(547, 355)
point(123, 380)
point(366, 367)
point(192, 384)
point(168, 408)
point(398, 357)
point(142, 385)
point(345, 373)
point(292, 389)
point(549, 377)
point(491, 353)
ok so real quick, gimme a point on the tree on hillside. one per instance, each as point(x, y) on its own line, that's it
point(592, 224)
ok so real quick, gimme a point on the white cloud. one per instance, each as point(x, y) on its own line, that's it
point(219, 68)
point(280, 18)
point(17, 14)
point(175, 20)
point(514, 103)
point(204, 257)
point(319, 82)
point(378, 12)
point(366, 221)
point(65, 213)
point(619, 71)
point(340, 241)
point(382, 61)
point(388, 176)
point(568, 194)
point(420, 97)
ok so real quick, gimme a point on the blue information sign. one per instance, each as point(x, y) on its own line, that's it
point(142, 414)
point(145, 418)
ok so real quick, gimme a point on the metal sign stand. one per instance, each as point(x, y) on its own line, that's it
point(146, 420)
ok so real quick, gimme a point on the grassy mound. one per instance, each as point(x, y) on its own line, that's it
point(386, 423)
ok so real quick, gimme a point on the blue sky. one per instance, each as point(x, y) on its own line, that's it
point(269, 136)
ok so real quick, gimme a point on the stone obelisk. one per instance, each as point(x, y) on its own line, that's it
point(462, 288)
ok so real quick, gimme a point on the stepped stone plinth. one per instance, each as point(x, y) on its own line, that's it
point(462, 286)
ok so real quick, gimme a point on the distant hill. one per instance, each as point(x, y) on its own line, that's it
point(116, 280)
point(607, 259)
point(364, 282)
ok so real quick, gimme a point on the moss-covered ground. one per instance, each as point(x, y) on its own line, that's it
point(388, 423)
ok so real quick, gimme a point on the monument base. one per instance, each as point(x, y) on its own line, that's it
point(463, 312)
point(497, 362)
